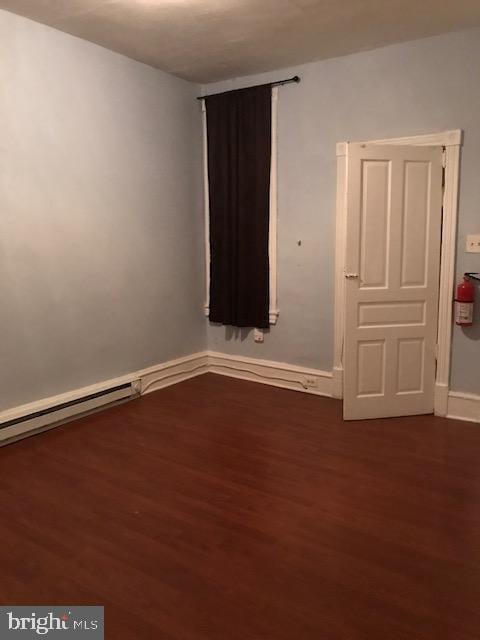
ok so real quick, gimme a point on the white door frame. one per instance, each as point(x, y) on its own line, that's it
point(451, 141)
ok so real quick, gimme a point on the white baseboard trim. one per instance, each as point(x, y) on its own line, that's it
point(277, 374)
point(337, 383)
point(172, 372)
point(463, 406)
point(440, 399)
point(55, 410)
point(459, 406)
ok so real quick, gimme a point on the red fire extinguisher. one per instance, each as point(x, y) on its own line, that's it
point(464, 303)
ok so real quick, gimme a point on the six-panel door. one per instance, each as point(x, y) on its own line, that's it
point(392, 267)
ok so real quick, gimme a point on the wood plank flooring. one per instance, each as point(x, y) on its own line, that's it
point(219, 509)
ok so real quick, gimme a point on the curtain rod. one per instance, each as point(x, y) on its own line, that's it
point(278, 83)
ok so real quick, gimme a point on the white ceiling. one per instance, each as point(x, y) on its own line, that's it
point(209, 40)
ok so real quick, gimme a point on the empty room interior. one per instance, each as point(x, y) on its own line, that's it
point(240, 319)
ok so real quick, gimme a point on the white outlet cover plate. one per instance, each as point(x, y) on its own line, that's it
point(473, 243)
point(258, 336)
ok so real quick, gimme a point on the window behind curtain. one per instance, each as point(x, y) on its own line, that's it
point(239, 157)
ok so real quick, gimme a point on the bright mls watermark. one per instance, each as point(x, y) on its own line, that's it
point(24, 623)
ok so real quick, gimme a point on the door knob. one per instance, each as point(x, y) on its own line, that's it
point(351, 276)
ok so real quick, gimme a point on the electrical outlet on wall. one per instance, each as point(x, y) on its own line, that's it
point(258, 336)
point(473, 244)
point(311, 382)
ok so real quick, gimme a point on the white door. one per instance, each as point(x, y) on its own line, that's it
point(394, 218)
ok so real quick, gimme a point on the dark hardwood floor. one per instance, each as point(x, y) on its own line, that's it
point(226, 510)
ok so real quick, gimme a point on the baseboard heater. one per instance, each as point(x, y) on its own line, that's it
point(53, 416)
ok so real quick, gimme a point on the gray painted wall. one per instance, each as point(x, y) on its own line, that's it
point(418, 87)
point(101, 229)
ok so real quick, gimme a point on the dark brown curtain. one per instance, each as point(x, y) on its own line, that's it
point(239, 156)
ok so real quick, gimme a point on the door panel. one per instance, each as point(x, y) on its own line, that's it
point(411, 354)
point(371, 368)
point(392, 266)
point(372, 314)
point(415, 223)
point(374, 224)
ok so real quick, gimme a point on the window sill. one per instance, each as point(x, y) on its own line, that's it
point(272, 318)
